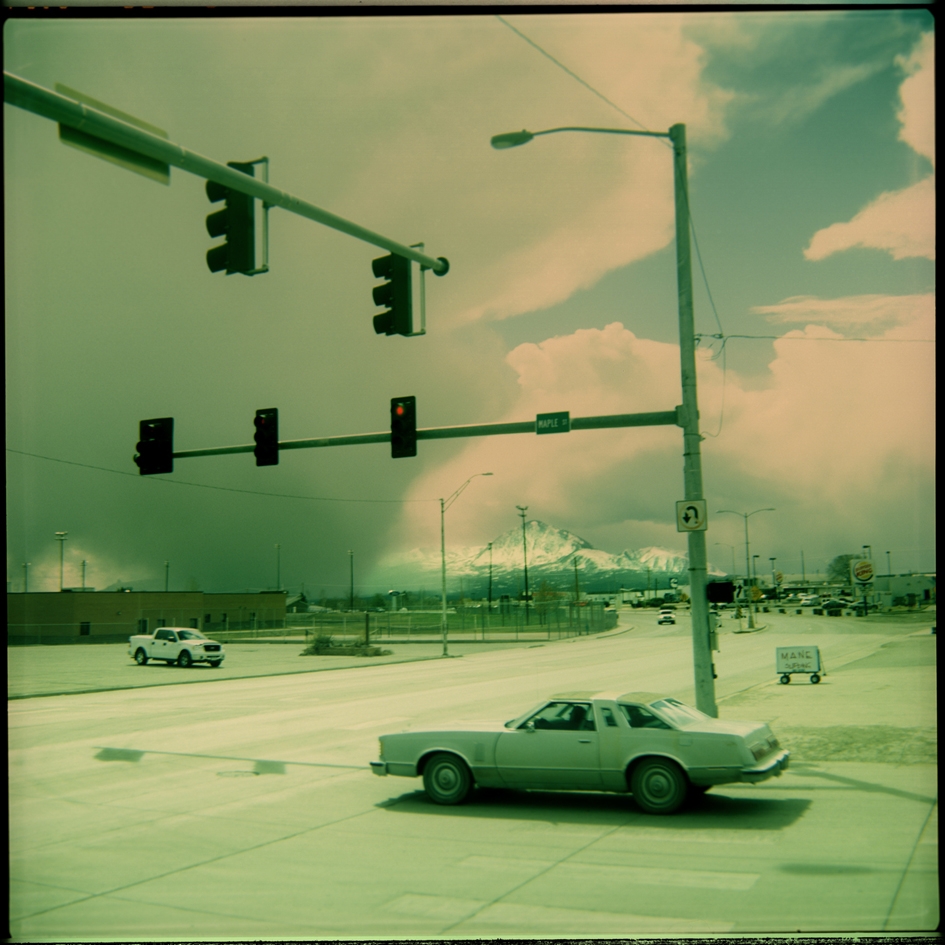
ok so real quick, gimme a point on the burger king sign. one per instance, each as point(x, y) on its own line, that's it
point(862, 570)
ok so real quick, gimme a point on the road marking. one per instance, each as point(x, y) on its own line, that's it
point(374, 723)
point(504, 863)
point(532, 919)
point(674, 835)
point(435, 907)
point(655, 876)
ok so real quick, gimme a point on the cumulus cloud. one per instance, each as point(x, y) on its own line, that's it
point(917, 94)
point(902, 222)
point(834, 426)
point(852, 311)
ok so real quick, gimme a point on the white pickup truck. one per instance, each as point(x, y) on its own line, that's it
point(175, 645)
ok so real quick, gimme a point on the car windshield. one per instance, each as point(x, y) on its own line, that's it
point(190, 635)
point(677, 712)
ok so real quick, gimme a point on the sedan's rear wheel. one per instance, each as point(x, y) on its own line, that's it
point(446, 779)
point(185, 659)
point(658, 786)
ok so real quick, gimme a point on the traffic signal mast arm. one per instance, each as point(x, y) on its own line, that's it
point(661, 418)
point(42, 101)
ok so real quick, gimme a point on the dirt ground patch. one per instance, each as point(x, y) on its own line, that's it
point(886, 744)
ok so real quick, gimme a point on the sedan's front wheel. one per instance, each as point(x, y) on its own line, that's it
point(658, 786)
point(446, 779)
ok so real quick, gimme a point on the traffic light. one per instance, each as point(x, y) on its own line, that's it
point(403, 427)
point(395, 294)
point(267, 437)
point(237, 222)
point(155, 446)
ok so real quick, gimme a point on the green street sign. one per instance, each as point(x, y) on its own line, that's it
point(553, 422)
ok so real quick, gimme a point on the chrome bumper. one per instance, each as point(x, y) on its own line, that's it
point(770, 769)
point(379, 767)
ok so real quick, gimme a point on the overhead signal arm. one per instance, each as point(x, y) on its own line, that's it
point(403, 426)
point(128, 141)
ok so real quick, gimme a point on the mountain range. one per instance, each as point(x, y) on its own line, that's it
point(552, 554)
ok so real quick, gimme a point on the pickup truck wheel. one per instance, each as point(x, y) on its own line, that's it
point(141, 658)
point(215, 663)
point(185, 659)
point(658, 786)
point(446, 779)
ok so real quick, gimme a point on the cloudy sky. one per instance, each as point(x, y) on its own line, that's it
point(811, 146)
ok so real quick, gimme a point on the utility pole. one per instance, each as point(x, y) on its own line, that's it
point(490, 576)
point(703, 667)
point(351, 596)
point(26, 577)
point(61, 538)
point(167, 574)
point(522, 509)
point(278, 568)
point(83, 573)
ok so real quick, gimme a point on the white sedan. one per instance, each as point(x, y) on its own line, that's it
point(652, 746)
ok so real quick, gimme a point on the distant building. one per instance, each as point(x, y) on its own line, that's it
point(112, 617)
point(903, 590)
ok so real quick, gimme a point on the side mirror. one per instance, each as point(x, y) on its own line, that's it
point(529, 726)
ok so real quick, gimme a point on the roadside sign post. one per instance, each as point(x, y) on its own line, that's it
point(861, 571)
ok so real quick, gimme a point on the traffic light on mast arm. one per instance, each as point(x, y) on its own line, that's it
point(155, 446)
point(395, 293)
point(403, 427)
point(267, 437)
point(237, 222)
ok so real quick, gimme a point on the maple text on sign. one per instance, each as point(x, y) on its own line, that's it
point(553, 422)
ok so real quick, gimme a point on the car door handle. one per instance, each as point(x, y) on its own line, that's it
point(584, 741)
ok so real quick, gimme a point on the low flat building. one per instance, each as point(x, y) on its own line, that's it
point(112, 617)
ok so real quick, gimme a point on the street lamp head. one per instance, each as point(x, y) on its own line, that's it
point(511, 139)
point(485, 474)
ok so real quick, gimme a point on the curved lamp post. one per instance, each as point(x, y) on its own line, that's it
point(746, 516)
point(444, 505)
point(689, 414)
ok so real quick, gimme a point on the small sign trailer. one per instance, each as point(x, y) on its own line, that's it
point(798, 659)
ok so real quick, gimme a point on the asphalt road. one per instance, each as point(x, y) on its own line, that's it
point(244, 809)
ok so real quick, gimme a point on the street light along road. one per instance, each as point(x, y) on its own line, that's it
point(703, 669)
point(444, 505)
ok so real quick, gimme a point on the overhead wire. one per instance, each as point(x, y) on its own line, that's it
point(203, 485)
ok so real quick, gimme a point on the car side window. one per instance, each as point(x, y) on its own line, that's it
point(638, 717)
point(608, 717)
point(162, 635)
point(563, 717)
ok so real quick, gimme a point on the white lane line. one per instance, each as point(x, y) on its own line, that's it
point(375, 723)
point(655, 876)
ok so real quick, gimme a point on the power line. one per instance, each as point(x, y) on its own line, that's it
point(203, 485)
point(573, 75)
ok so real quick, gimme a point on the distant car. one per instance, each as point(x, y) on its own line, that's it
point(666, 616)
point(179, 645)
point(835, 604)
point(810, 600)
point(651, 746)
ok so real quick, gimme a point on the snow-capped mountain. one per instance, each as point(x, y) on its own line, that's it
point(552, 555)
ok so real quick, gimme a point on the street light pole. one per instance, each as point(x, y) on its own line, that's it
point(746, 516)
point(774, 578)
point(490, 577)
point(689, 419)
point(351, 568)
point(444, 505)
point(61, 538)
point(522, 509)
